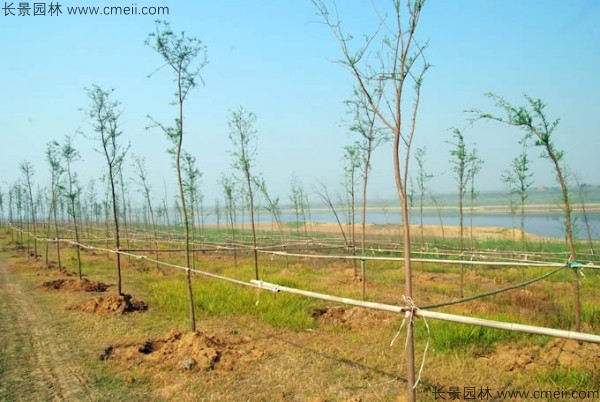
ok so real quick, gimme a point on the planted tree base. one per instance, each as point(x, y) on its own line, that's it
point(192, 351)
point(112, 305)
point(76, 285)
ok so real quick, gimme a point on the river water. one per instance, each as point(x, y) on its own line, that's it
point(542, 224)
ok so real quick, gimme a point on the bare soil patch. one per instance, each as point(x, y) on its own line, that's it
point(354, 318)
point(557, 353)
point(42, 364)
point(75, 285)
point(193, 351)
point(112, 305)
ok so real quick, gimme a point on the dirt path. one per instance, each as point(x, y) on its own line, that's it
point(35, 361)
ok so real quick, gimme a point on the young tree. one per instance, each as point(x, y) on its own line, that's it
point(438, 208)
point(73, 189)
point(306, 210)
point(180, 54)
point(11, 217)
point(54, 158)
point(228, 184)
point(243, 138)
point(323, 193)
point(17, 203)
point(107, 209)
point(462, 162)
point(124, 206)
point(192, 176)
point(89, 207)
point(581, 191)
point(1, 207)
point(297, 199)
point(400, 60)
point(272, 204)
point(353, 162)
point(508, 179)
point(165, 208)
point(475, 164)
point(218, 213)
point(532, 119)
point(519, 180)
point(27, 170)
point(44, 202)
point(423, 179)
point(371, 137)
point(139, 164)
point(104, 116)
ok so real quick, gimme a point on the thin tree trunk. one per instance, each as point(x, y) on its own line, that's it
point(255, 250)
point(586, 221)
point(461, 231)
point(56, 230)
point(231, 220)
point(410, 347)
point(184, 212)
point(364, 206)
point(125, 226)
point(573, 256)
point(523, 246)
point(117, 235)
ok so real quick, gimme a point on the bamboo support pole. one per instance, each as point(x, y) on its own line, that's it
point(558, 333)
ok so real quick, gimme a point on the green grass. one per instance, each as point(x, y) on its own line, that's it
point(570, 379)
point(448, 338)
point(214, 297)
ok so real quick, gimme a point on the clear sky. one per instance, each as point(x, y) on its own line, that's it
point(274, 58)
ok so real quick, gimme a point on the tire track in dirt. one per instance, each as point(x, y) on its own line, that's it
point(44, 359)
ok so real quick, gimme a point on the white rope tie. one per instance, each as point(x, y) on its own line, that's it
point(409, 314)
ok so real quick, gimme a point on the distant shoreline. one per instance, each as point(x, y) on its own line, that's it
point(395, 230)
point(478, 209)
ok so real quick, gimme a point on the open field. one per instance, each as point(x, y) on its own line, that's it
point(263, 347)
point(184, 195)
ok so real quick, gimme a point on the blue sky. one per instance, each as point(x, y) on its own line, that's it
point(276, 59)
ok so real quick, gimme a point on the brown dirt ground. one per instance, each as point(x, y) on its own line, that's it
point(354, 318)
point(557, 353)
point(112, 305)
point(192, 351)
point(35, 341)
point(75, 285)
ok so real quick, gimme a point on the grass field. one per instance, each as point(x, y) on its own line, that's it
point(263, 347)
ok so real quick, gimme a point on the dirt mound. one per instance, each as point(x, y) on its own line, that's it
point(76, 285)
point(190, 351)
point(353, 318)
point(112, 305)
point(557, 353)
